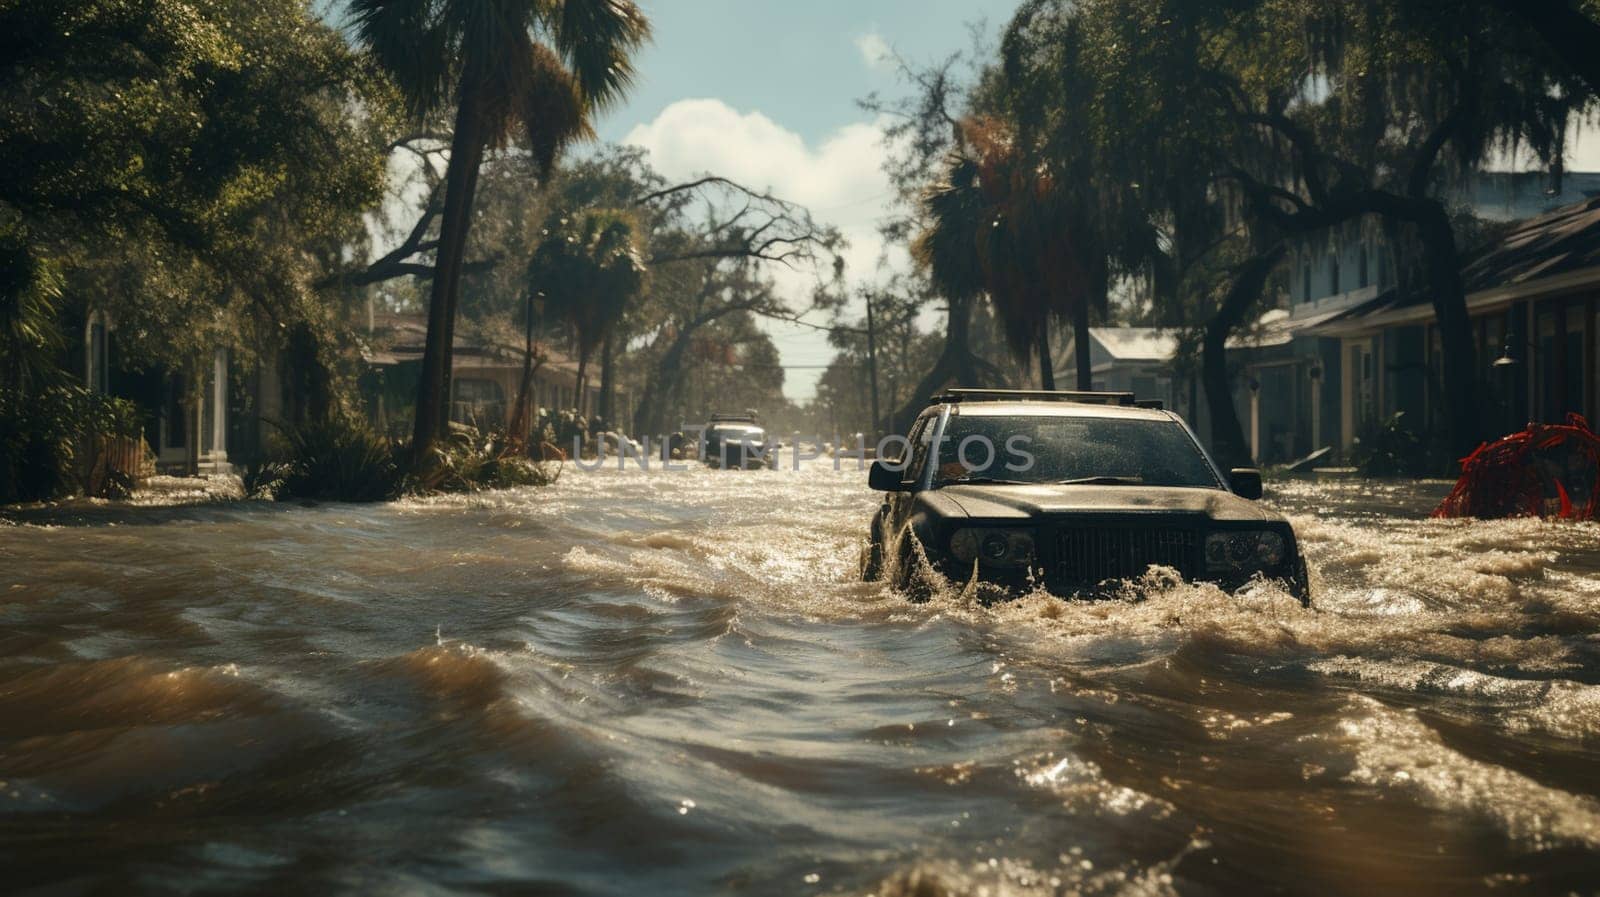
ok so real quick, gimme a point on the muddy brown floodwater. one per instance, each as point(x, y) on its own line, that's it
point(671, 684)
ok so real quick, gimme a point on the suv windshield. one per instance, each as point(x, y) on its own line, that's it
point(735, 433)
point(1054, 449)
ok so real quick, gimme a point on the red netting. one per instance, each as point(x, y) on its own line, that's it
point(1546, 470)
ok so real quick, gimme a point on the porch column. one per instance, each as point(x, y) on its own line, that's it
point(1255, 419)
point(219, 406)
point(1350, 367)
point(1316, 408)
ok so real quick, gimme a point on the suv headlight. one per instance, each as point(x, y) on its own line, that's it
point(993, 546)
point(1243, 550)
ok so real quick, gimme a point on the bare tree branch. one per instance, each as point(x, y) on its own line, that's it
point(394, 262)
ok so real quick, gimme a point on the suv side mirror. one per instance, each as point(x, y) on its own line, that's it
point(1246, 482)
point(883, 478)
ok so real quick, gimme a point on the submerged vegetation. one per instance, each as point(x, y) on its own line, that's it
point(345, 459)
point(1394, 448)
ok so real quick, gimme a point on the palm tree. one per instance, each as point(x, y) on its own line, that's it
point(590, 270)
point(944, 250)
point(999, 225)
point(543, 65)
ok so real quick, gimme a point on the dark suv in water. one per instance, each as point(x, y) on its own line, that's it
point(1072, 491)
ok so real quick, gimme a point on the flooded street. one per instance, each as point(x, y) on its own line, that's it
point(672, 683)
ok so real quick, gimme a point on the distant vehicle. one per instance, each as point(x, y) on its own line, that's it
point(1081, 490)
point(737, 442)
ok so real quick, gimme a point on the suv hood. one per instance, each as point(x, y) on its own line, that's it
point(1023, 502)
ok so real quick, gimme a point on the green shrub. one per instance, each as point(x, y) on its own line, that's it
point(263, 479)
point(468, 461)
point(1392, 449)
point(338, 459)
point(347, 460)
point(51, 443)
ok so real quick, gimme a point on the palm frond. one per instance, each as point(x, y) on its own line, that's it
point(598, 39)
point(412, 42)
point(948, 245)
point(589, 268)
point(551, 109)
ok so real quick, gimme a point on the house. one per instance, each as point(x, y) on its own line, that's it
point(223, 411)
point(204, 418)
point(1127, 359)
point(1344, 370)
point(486, 376)
point(1346, 354)
point(1533, 298)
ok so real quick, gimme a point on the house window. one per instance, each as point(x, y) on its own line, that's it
point(1363, 272)
point(480, 402)
point(1333, 273)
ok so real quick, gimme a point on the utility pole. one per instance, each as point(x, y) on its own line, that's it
point(872, 363)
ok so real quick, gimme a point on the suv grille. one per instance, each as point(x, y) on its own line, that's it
point(1090, 555)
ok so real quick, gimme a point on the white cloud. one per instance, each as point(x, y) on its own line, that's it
point(875, 51)
point(693, 136)
point(840, 180)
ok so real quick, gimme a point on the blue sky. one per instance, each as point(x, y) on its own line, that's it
point(799, 63)
point(766, 93)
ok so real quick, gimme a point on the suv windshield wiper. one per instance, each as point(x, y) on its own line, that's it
point(985, 481)
point(1102, 481)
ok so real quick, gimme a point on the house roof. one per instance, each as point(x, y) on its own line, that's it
point(1158, 345)
point(1564, 240)
point(1136, 343)
point(1551, 254)
point(405, 337)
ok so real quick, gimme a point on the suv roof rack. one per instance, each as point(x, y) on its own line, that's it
point(1041, 395)
point(732, 416)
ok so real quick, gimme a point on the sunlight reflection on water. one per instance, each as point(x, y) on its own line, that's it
point(674, 683)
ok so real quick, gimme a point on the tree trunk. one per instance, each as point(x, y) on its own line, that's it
point(663, 390)
point(1442, 270)
point(1227, 436)
point(197, 401)
point(522, 419)
point(1080, 344)
point(955, 365)
point(433, 389)
point(608, 382)
point(311, 380)
point(650, 418)
point(1457, 367)
point(578, 391)
point(1047, 365)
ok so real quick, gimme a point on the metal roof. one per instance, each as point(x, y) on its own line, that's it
point(1552, 254)
point(1136, 343)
